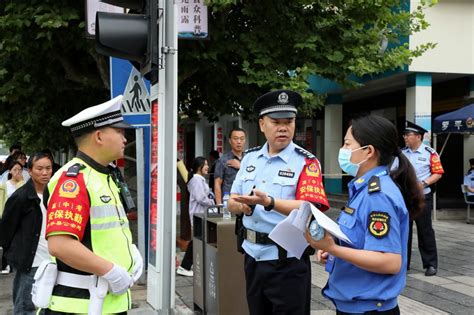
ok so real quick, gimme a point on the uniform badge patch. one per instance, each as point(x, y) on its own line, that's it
point(312, 170)
point(105, 198)
point(379, 224)
point(69, 189)
point(250, 168)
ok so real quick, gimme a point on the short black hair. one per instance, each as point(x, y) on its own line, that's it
point(237, 129)
point(15, 146)
point(38, 156)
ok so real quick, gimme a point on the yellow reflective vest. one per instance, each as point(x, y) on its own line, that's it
point(107, 234)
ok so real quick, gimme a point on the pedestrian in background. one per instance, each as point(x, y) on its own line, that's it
point(200, 197)
point(20, 157)
point(87, 229)
point(469, 181)
point(213, 157)
point(280, 176)
point(22, 231)
point(229, 164)
point(425, 160)
point(367, 276)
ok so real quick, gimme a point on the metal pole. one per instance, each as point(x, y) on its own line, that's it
point(435, 143)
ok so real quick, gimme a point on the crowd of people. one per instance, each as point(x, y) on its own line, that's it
point(58, 223)
point(74, 212)
point(391, 190)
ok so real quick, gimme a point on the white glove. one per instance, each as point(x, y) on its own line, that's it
point(137, 268)
point(119, 280)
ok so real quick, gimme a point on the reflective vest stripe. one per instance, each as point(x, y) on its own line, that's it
point(109, 225)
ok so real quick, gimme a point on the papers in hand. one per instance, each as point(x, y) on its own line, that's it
point(289, 233)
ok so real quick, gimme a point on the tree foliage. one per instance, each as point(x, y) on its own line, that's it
point(49, 70)
point(256, 46)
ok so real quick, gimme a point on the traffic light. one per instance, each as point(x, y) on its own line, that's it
point(132, 36)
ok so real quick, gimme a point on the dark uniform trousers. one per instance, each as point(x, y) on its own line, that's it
point(426, 236)
point(275, 287)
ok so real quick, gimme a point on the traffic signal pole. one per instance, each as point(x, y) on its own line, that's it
point(161, 277)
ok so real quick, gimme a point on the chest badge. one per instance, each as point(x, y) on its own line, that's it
point(250, 168)
point(288, 174)
point(379, 224)
point(348, 210)
point(105, 198)
point(422, 159)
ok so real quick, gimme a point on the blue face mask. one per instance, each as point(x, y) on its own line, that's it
point(345, 163)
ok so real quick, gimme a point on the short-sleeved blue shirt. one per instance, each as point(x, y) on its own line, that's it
point(375, 221)
point(277, 176)
point(469, 181)
point(425, 161)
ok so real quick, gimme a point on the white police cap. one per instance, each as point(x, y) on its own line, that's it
point(107, 114)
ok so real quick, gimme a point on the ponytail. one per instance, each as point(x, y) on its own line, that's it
point(405, 177)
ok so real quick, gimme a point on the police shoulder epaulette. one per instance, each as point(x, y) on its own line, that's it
point(253, 149)
point(304, 152)
point(374, 184)
point(430, 150)
point(404, 148)
point(74, 170)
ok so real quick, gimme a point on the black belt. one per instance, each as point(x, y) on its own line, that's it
point(257, 237)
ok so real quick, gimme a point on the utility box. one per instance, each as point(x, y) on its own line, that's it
point(224, 276)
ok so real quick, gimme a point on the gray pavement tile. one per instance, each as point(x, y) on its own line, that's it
point(464, 279)
point(461, 288)
point(436, 280)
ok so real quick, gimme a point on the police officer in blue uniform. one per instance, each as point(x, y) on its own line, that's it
point(274, 180)
point(428, 170)
point(469, 181)
point(368, 275)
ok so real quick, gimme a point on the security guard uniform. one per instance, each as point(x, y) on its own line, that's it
point(425, 160)
point(277, 282)
point(375, 219)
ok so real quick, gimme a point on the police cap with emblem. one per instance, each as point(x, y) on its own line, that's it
point(411, 127)
point(107, 114)
point(278, 104)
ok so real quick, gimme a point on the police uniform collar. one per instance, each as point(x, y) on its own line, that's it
point(419, 149)
point(362, 181)
point(92, 163)
point(284, 154)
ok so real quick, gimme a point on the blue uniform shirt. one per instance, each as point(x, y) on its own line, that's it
point(374, 219)
point(425, 161)
point(469, 181)
point(278, 177)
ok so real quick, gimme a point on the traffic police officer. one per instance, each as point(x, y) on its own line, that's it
point(428, 168)
point(87, 228)
point(273, 180)
point(469, 181)
point(367, 275)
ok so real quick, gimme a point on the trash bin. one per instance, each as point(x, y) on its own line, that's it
point(224, 277)
point(198, 262)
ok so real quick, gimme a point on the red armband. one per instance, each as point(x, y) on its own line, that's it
point(435, 164)
point(310, 185)
point(68, 207)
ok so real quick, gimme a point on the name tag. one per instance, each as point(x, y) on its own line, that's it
point(286, 174)
point(422, 159)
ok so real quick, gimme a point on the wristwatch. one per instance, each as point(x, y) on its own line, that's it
point(271, 205)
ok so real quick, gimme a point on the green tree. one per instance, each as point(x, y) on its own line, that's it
point(256, 46)
point(49, 70)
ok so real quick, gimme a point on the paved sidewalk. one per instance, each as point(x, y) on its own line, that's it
point(451, 291)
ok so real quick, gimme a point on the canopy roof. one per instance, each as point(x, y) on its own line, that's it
point(458, 121)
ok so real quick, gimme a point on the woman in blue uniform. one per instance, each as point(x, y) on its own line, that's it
point(368, 275)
